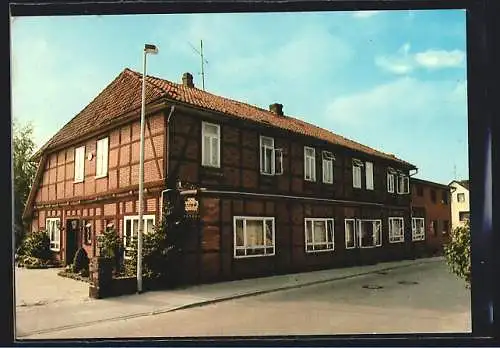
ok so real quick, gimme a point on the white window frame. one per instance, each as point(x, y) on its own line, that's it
point(327, 167)
point(207, 162)
point(264, 153)
point(369, 175)
point(101, 158)
point(79, 164)
point(463, 212)
point(133, 218)
point(414, 235)
point(406, 188)
point(330, 245)
point(245, 246)
point(360, 239)
point(356, 173)
point(396, 236)
point(309, 164)
point(52, 226)
point(460, 194)
point(278, 161)
point(390, 182)
point(354, 237)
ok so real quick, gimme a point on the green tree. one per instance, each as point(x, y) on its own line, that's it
point(457, 252)
point(24, 172)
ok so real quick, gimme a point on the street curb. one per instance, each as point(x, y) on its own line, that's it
point(289, 287)
point(220, 299)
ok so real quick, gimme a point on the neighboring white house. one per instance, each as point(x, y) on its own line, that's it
point(459, 202)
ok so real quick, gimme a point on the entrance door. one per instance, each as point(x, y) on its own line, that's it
point(72, 228)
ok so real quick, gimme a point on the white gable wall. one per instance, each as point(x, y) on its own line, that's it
point(457, 207)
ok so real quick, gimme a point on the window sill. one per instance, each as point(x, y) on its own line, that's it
point(267, 174)
point(318, 251)
point(209, 166)
point(101, 176)
point(56, 250)
point(77, 181)
point(370, 247)
point(310, 180)
point(396, 241)
point(252, 256)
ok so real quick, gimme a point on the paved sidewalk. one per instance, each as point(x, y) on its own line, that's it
point(66, 315)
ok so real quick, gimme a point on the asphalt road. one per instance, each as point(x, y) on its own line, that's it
point(423, 298)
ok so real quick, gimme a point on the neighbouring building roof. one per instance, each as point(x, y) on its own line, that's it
point(464, 183)
point(428, 183)
point(123, 95)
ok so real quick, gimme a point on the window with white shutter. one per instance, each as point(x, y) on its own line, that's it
point(79, 164)
point(369, 175)
point(102, 158)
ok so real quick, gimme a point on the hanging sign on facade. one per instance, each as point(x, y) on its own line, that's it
point(191, 205)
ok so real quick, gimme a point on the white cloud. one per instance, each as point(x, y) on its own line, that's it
point(403, 62)
point(365, 14)
point(404, 99)
point(435, 59)
point(409, 118)
point(255, 70)
point(399, 66)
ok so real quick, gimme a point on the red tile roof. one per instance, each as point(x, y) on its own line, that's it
point(124, 95)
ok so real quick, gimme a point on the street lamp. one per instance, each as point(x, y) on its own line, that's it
point(152, 49)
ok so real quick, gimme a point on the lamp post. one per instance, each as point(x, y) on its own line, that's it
point(153, 50)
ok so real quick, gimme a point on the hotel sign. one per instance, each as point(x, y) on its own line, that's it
point(191, 205)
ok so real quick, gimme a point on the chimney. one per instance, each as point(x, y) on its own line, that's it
point(187, 80)
point(276, 109)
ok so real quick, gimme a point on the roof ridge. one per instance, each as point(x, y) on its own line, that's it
point(48, 142)
point(136, 74)
point(293, 118)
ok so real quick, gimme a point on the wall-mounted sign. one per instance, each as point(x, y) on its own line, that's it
point(191, 204)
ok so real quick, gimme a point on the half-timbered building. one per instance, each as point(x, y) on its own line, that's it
point(273, 193)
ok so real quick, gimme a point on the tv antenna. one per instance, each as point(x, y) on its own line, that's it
point(203, 62)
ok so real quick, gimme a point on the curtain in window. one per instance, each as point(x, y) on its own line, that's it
point(206, 150)
point(255, 236)
point(319, 232)
point(240, 240)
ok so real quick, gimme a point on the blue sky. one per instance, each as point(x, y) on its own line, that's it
point(392, 80)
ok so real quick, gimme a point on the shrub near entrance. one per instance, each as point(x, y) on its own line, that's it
point(35, 251)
